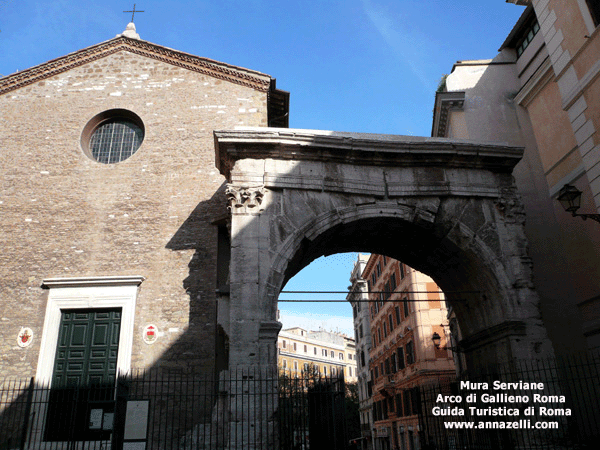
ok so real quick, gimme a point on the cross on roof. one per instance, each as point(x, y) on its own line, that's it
point(132, 12)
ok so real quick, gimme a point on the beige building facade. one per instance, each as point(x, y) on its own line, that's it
point(406, 309)
point(358, 296)
point(322, 353)
point(542, 92)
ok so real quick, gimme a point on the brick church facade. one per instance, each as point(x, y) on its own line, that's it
point(141, 235)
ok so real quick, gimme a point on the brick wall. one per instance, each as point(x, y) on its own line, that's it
point(64, 215)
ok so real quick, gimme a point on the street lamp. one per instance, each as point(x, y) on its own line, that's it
point(570, 199)
point(437, 340)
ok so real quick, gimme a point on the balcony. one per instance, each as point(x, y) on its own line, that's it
point(388, 387)
point(389, 381)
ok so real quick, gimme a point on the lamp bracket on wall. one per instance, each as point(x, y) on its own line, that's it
point(436, 338)
point(570, 199)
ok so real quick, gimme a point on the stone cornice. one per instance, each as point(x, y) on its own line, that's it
point(580, 86)
point(233, 74)
point(360, 148)
point(127, 280)
point(444, 102)
point(542, 76)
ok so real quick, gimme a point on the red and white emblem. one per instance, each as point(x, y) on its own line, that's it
point(150, 334)
point(25, 337)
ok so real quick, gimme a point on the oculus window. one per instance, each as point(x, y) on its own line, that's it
point(113, 136)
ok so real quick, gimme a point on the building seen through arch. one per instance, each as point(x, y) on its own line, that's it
point(318, 353)
point(396, 311)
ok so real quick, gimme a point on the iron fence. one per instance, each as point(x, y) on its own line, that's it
point(256, 408)
point(312, 412)
point(563, 414)
point(249, 408)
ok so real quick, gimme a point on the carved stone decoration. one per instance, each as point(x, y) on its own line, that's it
point(244, 196)
point(510, 206)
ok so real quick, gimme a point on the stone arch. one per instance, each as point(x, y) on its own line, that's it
point(489, 300)
point(296, 195)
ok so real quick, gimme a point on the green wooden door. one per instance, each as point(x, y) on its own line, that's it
point(83, 380)
point(88, 343)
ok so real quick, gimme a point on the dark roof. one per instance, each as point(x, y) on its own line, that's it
point(527, 17)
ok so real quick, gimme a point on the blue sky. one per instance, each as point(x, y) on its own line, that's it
point(350, 65)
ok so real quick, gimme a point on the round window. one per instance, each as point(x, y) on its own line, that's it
point(113, 136)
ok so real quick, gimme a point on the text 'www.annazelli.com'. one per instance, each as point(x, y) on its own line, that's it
point(515, 425)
